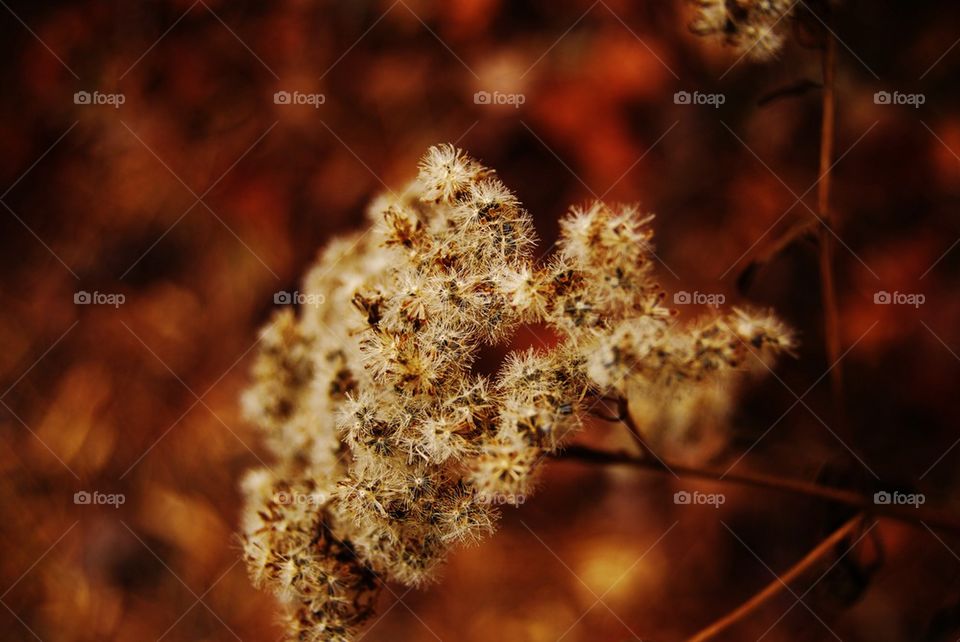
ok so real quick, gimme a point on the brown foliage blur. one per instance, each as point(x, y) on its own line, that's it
point(199, 197)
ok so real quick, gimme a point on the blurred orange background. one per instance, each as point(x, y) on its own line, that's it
point(199, 197)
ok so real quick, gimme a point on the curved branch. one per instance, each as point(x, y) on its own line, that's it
point(778, 584)
point(922, 515)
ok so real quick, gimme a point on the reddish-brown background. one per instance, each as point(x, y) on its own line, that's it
point(104, 199)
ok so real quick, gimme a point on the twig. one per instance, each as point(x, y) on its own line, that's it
point(608, 418)
point(931, 517)
point(798, 88)
point(777, 585)
point(624, 411)
point(828, 285)
point(773, 247)
point(622, 417)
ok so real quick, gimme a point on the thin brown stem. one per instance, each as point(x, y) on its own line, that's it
point(624, 412)
point(608, 418)
point(828, 224)
point(599, 407)
point(932, 517)
point(622, 417)
point(778, 584)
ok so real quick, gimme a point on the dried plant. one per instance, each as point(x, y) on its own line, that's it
point(754, 28)
point(758, 29)
point(389, 449)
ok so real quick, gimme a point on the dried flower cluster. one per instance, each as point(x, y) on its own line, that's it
point(754, 28)
point(389, 449)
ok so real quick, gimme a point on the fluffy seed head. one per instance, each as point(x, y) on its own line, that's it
point(388, 449)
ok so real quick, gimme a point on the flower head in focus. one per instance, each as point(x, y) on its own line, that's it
point(388, 448)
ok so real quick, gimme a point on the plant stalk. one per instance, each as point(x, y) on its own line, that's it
point(831, 316)
point(921, 515)
point(777, 585)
